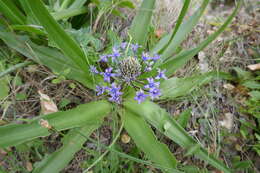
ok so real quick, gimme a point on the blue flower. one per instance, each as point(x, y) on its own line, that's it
point(148, 68)
point(115, 54)
point(149, 65)
point(93, 69)
point(103, 58)
point(100, 90)
point(145, 57)
point(152, 84)
point(115, 93)
point(125, 70)
point(123, 45)
point(140, 96)
point(135, 47)
point(108, 74)
point(154, 93)
point(156, 57)
point(161, 74)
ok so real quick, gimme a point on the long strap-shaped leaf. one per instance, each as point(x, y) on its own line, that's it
point(161, 120)
point(72, 143)
point(8, 8)
point(87, 114)
point(141, 22)
point(49, 57)
point(176, 87)
point(183, 31)
point(166, 40)
point(67, 13)
point(77, 4)
point(181, 59)
point(68, 45)
point(144, 138)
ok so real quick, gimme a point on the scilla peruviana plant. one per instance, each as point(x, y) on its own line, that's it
point(125, 65)
point(134, 109)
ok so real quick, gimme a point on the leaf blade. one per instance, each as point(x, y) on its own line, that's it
point(13, 134)
point(161, 120)
point(145, 139)
point(184, 29)
point(9, 9)
point(164, 43)
point(181, 59)
point(141, 22)
point(68, 45)
point(73, 142)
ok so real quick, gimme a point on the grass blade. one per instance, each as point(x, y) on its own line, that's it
point(68, 46)
point(162, 121)
point(8, 8)
point(73, 142)
point(141, 22)
point(183, 30)
point(145, 139)
point(181, 59)
point(87, 114)
point(164, 43)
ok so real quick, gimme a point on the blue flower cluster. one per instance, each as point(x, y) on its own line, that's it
point(124, 67)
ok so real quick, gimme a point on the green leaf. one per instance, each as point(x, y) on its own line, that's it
point(87, 114)
point(124, 4)
point(176, 87)
point(145, 139)
point(68, 46)
point(141, 22)
point(4, 84)
point(179, 35)
point(181, 59)
point(8, 8)
point(72, 143)
point(255, 95)
point(50, 57)
point(21, 96)
point(67, 13)
point(193, 149)
point(29, 28)
point(252, 84)
point(164, 43)
point(184, 118)
point(241, 75)
point(163, 122)
point(77, 4)
point(242, 164)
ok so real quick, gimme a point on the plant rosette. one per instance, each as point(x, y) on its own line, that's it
point(123, 68)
